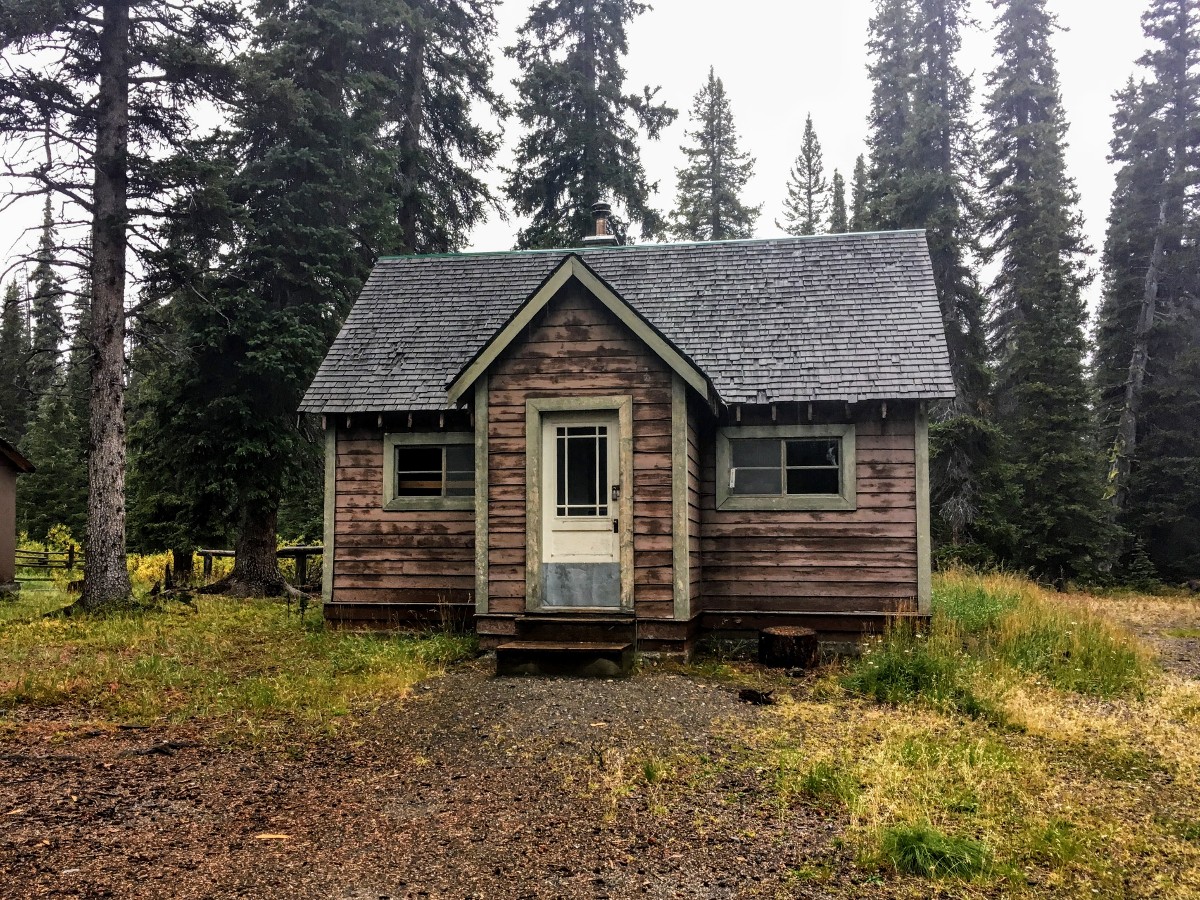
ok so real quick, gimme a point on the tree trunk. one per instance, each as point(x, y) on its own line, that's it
point(106, 580)
point(184, 568)
point(1125, 441)
point(256, 565)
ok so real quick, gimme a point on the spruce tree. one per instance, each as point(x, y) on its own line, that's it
point(45, 307)
point(1040, 397)
point(708, 205)
point(15, 393)
point(922, 167)
point(1145, 340)
point(285, 217)
point(441, 149)
point(807, 199)
point(839, 222)
point(581, 129)
point(860, 219)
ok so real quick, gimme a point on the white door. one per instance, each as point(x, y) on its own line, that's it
point(580, 493)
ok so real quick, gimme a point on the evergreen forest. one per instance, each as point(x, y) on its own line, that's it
point(254, 160)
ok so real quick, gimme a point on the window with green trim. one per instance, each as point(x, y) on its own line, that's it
point(786, 467)
point(429, 471)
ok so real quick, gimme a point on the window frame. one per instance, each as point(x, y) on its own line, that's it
point(429, 438)
point(845, 499)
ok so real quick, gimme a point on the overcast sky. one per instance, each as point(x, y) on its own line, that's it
point(782, 59)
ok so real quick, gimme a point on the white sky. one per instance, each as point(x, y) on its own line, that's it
point(782, 59)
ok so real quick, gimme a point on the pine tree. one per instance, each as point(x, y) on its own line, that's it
point(708, 205)
point(106, 84)
point(807, 188)
point(1146, 339)
point(15, 393)
point(581, 130)
point(55, 494)
point(1040, 394)
point(860, 219)
point(922, 166)
point(839, 222)
point(46, 302)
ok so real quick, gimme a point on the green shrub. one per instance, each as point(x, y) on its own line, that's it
point(923, 850)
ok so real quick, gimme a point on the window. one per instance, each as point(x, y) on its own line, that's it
point(581, 454)
point(429, 471)
point(786, 467)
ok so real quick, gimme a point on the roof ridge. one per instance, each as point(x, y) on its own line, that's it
point(459, 254)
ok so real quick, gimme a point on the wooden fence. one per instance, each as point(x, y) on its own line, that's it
point(47, 561)
point(300, 554)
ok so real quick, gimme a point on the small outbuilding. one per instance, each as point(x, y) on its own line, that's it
point(12, 464)
point(635, 445)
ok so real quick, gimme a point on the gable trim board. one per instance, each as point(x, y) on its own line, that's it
point(574, 267)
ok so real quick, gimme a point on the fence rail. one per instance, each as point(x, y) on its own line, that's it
point(300, 554)
point(48, 560)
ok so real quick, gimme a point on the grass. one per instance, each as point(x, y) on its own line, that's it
point(923, 850)
point(1021, 741)
point(247, 667)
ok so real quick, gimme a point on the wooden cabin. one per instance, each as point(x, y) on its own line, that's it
point(12, 464)
point(643, 443)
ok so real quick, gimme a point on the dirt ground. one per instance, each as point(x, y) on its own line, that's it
point(475, 787)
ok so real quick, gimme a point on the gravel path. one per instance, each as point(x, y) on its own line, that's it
point(1171, 625)
point(475, 787)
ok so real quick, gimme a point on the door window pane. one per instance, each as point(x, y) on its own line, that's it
point(581, 465)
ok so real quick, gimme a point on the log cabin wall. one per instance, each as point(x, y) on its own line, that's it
point(395, 567)
point(575, 347)
point(836, 570)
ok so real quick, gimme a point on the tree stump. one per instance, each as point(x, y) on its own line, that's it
point(787, 647)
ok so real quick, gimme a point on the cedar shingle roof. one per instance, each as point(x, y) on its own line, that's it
point(832, 317)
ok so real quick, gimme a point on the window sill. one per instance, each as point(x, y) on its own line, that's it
point(783, 503)
point(429, 504)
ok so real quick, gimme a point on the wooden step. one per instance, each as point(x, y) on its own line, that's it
point(595, 659)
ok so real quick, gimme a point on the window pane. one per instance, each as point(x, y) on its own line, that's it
point(757, 481)
point(761, 453)
point(581, 472)
point(418, 471)
point(813, 481)
point(820, 452)
point(460, 470)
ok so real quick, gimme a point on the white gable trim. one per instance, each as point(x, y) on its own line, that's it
point(574, 267)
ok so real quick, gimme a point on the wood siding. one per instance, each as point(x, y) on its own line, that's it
point(697, 413)
point(851, 561)
point(575, 348)
point(420, 557)
point(8, 522)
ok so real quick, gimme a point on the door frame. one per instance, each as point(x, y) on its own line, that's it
point(535, 407)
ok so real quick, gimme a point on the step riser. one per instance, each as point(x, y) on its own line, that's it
point(568, 630)
point(580, 664)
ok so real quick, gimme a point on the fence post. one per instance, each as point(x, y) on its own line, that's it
point(70, 556)
point(301, 570)
point(207, 565)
